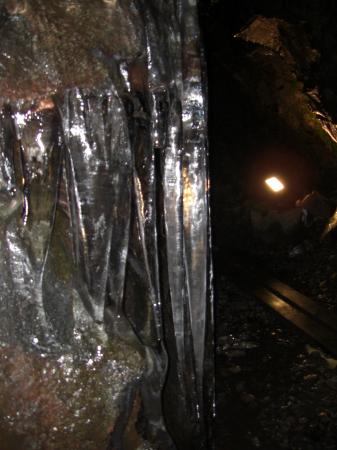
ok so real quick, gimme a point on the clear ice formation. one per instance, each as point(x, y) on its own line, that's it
point(105, 268)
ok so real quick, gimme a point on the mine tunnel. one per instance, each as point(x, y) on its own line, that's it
point(272, 114)
point(168, 225)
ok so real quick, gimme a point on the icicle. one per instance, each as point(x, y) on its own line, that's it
point(104, 227)
point(195, 185)
point(99, 172)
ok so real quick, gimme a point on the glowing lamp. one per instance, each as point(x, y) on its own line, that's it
point(274, 184)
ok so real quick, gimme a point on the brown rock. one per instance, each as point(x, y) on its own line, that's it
point(247, 398)
point(48, 46)
point(62, 402)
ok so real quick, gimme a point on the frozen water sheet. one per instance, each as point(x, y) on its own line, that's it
point(105, 280)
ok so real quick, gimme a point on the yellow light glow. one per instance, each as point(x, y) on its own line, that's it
point(274, 184)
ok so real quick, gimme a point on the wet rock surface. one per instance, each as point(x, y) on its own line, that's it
point(75, 398)
point(50, 46)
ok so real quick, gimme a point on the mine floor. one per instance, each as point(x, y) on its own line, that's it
point(276, 388)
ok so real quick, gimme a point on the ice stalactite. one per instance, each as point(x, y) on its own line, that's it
point(105, 263)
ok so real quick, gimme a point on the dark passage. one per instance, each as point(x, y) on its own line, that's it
point(272, 113)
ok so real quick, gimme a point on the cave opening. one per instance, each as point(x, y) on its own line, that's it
point(272, 114)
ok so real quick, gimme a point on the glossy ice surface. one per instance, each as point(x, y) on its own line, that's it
point(104, 226)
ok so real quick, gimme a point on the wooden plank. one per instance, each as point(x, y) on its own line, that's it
point(306, 304)
point(317, 331)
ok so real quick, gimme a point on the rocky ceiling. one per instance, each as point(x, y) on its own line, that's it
point(273, 86)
